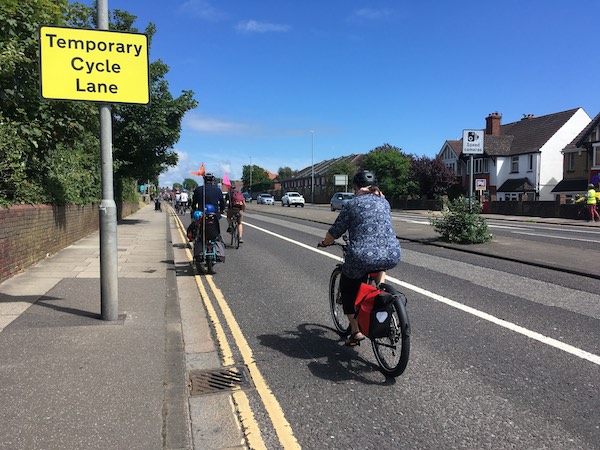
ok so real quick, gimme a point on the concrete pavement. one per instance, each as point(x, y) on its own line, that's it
point(70, 380)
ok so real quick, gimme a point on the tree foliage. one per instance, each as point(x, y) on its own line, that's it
point(41, 136)
point(50, 149)
point(285, 173)
point(391, 167)
point(190, 184)
point(260, 179)
point(433, 177)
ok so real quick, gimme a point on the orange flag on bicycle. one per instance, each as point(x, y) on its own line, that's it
point(200, 172)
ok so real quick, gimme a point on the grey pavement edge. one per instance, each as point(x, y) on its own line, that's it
point(69, 380)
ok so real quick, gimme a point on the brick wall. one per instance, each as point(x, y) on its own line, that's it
point(28, 233)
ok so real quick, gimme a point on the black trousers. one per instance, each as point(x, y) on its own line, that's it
point(349, 289)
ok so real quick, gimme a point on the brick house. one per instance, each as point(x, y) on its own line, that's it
point(581, 163)
point(302, 181)
point(521, 160)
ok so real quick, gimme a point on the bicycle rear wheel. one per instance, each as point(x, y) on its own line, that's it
point(392, 352)
point(236, 237)
point(235, 234)
point(342, 325)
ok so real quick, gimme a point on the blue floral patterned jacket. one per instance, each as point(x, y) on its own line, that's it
point(373, 245)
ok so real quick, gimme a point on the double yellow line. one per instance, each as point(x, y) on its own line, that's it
point(252, 432)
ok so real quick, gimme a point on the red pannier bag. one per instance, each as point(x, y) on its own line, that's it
point(373, 311)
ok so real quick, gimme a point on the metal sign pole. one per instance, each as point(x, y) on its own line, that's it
point(109, 261)
point(471, 184)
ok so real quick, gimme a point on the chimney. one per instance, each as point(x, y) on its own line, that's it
point(492, 123)
point(528, 116)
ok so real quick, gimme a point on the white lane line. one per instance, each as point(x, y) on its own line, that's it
point(552, 236)
point(506, 227)
point(482, 315)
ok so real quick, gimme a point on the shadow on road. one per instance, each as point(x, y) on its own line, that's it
point(330, 358)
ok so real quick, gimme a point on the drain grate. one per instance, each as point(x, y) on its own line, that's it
point(225, 379)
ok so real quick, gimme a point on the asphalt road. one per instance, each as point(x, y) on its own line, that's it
point(503, 355)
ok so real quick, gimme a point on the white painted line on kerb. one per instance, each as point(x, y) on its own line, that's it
point(482, 315)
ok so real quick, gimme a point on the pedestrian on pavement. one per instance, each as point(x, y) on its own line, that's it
point(590, 199)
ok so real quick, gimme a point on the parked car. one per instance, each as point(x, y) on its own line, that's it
point(292, 198)
point(247, 197)
point(339, 199)
point(265, 199)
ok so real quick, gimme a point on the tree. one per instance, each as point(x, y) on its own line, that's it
point(343, 167)
point(285, 173)
point(55, 143)
point(190, 184)
point(432, 175)
point(260, 179)
point(391, 167)
point(53, 148)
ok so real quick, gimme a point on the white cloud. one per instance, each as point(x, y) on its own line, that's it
point(212, 125)
point(252, 26)
point(183, 156)
point(201, 9)
point(371, 14)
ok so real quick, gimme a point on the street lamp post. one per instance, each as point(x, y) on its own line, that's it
point(312, 182)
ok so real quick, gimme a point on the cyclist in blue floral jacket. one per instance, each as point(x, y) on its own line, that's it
point(372, 245)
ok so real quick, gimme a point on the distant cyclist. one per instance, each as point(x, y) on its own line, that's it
point(183, 200)
point(177, 199)
point(372, 245)
point(237, 205)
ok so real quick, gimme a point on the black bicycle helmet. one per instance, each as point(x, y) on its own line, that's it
point(209, 178)
point(364, 178)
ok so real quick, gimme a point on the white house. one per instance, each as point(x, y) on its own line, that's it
point(522, 160)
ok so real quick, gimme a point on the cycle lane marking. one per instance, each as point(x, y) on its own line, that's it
point(591, 357)
point(238, 399)
point(282, 427)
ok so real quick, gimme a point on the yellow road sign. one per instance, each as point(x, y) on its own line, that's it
point(94, 65)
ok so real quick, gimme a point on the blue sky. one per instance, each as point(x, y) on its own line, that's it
point(362, 73)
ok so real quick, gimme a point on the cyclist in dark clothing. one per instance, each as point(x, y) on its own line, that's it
point(209, 194)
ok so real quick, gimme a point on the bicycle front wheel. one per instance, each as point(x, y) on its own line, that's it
point(340, 320)
point(392, 351)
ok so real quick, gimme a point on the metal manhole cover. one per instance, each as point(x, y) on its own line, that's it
point(219, 380)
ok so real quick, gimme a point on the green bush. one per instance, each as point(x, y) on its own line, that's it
point(462, 224)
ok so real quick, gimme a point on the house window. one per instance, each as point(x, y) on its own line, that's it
point(530, 163)
point(596, 155)
point(570, 162)
point(514, 165)
point(478, 165)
